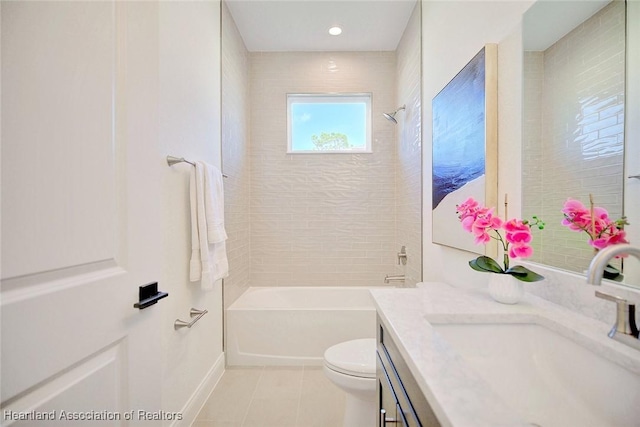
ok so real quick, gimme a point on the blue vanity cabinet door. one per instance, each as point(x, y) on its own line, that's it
point(395, 382)
point(387, 401)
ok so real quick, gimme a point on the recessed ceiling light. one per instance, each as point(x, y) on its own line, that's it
point(335, 31)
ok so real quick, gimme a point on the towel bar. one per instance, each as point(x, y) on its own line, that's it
point(193, 312)
point(172, 160)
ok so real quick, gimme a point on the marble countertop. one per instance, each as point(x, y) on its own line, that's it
point(458, 395)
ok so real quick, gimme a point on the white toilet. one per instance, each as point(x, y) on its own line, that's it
point(351, 365)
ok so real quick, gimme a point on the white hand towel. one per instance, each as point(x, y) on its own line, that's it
point(200, 265)
point(214, 204)
point(216, 233)
point(195, 266)
point(208, 263)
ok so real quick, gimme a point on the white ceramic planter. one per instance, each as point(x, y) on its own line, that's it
point(505, 288)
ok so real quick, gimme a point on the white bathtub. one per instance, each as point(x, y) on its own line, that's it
point(295, 325)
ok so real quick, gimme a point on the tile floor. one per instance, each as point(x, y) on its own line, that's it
point(273, 396)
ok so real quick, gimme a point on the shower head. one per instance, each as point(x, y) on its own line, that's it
point(392, 116)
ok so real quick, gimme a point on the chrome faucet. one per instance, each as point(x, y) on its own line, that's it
point(625, 328)
point(599, 262)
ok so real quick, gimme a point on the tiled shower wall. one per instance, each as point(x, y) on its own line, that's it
point(579, 148)
point(409, 150)
point(321, 219)
point(235, 156)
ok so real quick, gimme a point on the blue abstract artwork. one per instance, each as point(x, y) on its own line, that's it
point(459, 131)
point(464, 125)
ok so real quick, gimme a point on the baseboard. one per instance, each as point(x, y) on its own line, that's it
point(199, 397)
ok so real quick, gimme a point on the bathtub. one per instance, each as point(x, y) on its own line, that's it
point(294, 325)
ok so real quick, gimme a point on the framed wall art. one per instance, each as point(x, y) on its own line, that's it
point(465, 147)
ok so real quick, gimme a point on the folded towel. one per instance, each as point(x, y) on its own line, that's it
point(214, 204)
point(208, 250)
point(199, 246)
point(214, 211)
point(195, 267)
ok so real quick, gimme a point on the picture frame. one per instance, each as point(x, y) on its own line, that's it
point(465, 148)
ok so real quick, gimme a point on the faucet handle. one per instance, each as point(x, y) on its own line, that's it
point(612, 298)
point(402, 256)
point(625, 315)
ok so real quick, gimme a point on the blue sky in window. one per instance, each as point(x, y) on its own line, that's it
point(314, 118)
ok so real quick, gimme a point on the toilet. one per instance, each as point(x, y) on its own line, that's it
point(351, 366)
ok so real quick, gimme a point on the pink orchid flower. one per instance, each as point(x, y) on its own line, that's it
point(517, 232)
point(466, 208)
point(485, 225)
point(602, 231)
point(482, 221)
point(577, 216)
point(520, 251)
point(612, 236)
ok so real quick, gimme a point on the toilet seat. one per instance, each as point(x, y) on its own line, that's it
point(356, 358)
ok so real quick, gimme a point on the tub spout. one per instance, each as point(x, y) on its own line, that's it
point(398, 278)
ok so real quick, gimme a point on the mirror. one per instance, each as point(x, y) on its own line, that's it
point(573, 121)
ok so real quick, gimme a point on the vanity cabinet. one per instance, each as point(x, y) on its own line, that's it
point(400, 400)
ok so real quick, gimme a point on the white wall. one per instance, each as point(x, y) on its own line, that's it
point(189, 117)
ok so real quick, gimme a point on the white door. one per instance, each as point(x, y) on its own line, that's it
point(79, 111)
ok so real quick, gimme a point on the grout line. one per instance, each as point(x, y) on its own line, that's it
point(304, 370)
point(252, 396)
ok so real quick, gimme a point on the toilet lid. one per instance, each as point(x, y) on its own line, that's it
point(356, 358)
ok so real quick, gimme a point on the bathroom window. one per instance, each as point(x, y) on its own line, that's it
point(329, 123)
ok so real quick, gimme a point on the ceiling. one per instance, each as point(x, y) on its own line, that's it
point(302, 25)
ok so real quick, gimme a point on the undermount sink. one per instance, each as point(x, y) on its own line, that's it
point(545, 377)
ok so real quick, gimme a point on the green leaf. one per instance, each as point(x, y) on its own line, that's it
point(473, 264)
point(489, 264)
point(484, 263)
point(518, 271)
point(524, 274)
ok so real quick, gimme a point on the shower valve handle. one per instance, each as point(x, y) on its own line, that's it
point(402, 256)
